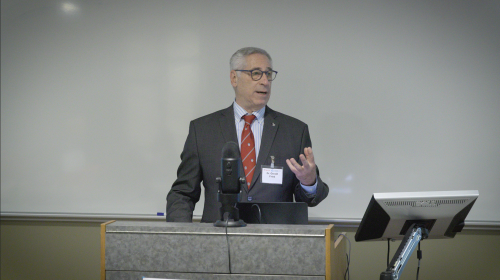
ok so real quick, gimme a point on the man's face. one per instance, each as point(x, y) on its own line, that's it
point(252, 95)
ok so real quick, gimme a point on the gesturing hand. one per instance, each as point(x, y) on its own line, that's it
point(306, 173)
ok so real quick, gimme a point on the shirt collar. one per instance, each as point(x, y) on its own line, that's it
point(239, 112)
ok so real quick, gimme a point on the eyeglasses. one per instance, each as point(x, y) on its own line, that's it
point(256, 74)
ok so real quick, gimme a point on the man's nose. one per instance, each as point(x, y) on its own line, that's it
point(264, 79)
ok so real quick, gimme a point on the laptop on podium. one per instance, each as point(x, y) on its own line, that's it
point(273, 212)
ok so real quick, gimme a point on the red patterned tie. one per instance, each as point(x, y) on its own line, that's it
point(248, 149)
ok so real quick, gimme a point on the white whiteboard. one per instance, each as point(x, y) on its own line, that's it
point(96, 96)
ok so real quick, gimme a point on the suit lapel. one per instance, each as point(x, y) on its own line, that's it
point(271, 125)
point(227, 125)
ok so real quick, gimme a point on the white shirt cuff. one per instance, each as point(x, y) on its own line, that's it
point(310, 190)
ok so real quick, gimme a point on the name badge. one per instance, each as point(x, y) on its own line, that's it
point(272, 175)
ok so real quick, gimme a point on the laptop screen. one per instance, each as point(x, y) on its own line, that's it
point(273, 212)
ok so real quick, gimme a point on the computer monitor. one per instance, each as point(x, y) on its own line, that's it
point(389, 215)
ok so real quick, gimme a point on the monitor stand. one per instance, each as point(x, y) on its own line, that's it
point(413, 236)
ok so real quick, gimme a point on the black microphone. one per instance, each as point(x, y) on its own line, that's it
point(230, 168)
point(230, 187)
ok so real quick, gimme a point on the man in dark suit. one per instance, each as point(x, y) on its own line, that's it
point(279, 140)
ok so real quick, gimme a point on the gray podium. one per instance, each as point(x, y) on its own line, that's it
point(133, 250)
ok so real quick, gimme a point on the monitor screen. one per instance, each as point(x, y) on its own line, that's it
point(389, 215)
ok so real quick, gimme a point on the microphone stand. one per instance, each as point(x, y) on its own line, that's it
point(229, 213)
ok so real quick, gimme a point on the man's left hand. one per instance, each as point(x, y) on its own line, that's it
point(306, 173)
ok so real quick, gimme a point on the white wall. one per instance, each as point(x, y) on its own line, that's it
point(96, 96)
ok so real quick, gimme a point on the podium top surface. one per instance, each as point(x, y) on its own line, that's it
point(210, 229)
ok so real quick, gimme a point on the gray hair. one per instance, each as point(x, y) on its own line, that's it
point(238, 59)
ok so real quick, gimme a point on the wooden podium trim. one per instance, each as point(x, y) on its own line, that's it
point(103, 249)
point(335, 250)
point(328, 251)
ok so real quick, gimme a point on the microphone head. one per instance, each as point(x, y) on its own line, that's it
point(231, 150)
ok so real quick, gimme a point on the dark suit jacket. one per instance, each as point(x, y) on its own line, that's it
point(283, 137)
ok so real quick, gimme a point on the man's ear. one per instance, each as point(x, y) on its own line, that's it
point(234, 78)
